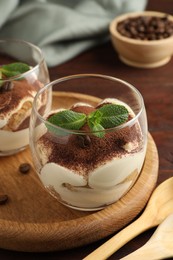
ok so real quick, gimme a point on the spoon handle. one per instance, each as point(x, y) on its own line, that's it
point(121, 238)
point(152, 251)
point(159, 246)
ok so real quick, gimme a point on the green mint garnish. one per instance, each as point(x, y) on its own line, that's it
point(113, 115)
point(97, 129)
point(94, 122)
point(67, 119)
point(13, 69)
point(107, 116)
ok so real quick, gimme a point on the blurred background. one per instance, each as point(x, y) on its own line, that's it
point(62, 28)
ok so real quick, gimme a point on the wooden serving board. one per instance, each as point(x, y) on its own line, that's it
point(32, 220)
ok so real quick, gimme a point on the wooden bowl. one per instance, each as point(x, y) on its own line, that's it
point(141, 53)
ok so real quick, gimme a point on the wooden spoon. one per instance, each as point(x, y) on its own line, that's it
point(160, 205)
point(159, 246)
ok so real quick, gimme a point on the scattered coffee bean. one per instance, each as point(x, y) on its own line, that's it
point(83, 141)
point(24, 168)
point(3, 199)
point(146, 27)
point(7, 86)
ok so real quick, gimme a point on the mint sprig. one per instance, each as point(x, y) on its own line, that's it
point(13, 69)
point(107, 116)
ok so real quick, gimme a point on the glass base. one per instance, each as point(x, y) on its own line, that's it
point(12, 152)
point(53, 193)
point(83, 209)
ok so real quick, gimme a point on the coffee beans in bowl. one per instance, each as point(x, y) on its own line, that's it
point(146, 27)
point(143, 39)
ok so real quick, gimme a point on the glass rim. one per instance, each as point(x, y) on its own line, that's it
point(29, 44)
point(78, 76)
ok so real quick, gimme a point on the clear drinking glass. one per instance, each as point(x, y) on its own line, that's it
point(17, 91)
point(88, 169)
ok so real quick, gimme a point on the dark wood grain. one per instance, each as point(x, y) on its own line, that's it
point(156, 86)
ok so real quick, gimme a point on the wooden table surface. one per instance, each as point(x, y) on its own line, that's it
point(156, 86)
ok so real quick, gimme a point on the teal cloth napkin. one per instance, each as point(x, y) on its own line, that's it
point(62, 28)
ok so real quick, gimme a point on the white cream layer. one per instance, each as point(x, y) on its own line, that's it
point(13, 140)
point(106, 184)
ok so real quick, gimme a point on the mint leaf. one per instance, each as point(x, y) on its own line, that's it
point(94, 117)
point(113, 115)
point(93, 121)
point(10, 74)
point(67, 119)
point(14, 69)
point(97, 129)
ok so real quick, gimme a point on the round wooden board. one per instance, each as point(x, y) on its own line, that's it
point(32, 220)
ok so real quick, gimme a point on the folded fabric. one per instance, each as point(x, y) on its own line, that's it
point(62, 28)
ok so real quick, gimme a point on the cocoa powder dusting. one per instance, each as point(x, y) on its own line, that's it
point(83, 109)
point(97, 150)
point(20, 90)
point(10, 100)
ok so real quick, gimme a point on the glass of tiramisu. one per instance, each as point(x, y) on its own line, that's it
point(23, 72)
point(89, 142)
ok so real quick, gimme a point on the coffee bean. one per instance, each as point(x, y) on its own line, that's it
point(141, 28)
point(146, 27)
point(133, 31)
point(3, 199)
point(7, 86)
point(146, 20)
point(83, 141)
point(24, 168)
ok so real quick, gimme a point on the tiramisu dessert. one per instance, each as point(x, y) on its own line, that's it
point(96, 159)
point(16, 98)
